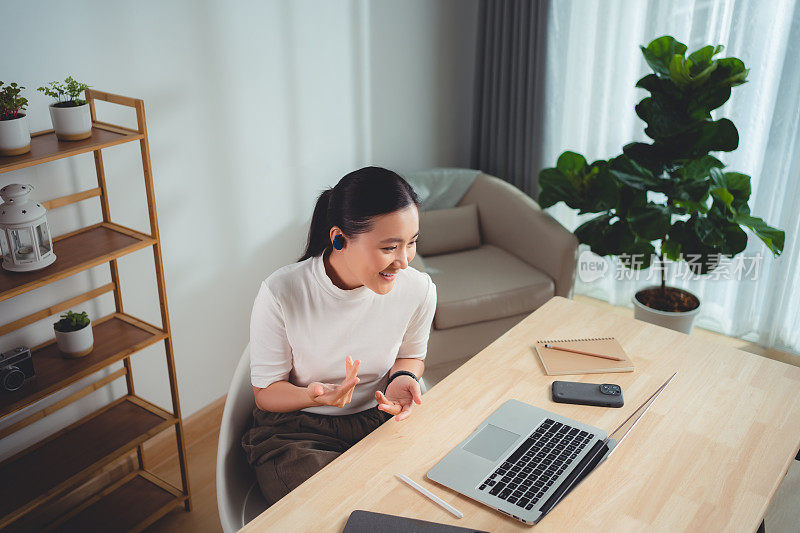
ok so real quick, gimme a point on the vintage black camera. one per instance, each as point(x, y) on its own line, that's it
point(16, 366)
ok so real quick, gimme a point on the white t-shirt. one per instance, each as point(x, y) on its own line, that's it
point(303, 327)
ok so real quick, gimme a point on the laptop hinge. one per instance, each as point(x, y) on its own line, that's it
point(596, 454)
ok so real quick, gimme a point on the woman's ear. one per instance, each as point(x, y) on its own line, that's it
point(335, 230)
point(337, 238)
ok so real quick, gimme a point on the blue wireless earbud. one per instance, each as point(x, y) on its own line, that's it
point(338, 242)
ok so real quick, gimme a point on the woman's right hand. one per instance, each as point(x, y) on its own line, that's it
point(336, 395)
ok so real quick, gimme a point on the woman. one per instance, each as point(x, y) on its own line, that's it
point(338, 339)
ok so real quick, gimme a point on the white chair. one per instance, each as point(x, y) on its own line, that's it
point(239, 498)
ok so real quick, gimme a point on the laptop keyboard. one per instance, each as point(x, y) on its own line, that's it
point(533, 467)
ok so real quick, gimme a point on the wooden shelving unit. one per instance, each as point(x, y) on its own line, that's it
point(62, 461)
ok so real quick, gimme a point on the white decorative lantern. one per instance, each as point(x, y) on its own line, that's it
point(24, 234)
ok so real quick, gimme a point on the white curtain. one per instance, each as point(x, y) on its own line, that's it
point(593, 63)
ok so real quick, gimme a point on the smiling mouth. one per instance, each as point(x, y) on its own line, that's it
point(388, 276)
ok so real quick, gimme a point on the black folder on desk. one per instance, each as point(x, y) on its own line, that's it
point(369, 522)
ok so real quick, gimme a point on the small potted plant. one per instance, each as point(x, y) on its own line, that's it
point(74, 334)
point(70, 114)
point(15, 137)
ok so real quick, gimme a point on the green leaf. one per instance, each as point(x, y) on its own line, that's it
point(700, 168)
point(660, 51)
point(694, 70)
point(600, 192)
point(708, 231)
point(588, 188)
point(732, 189)
point(620, 238)
point(671, 249)
point(679, 71)
point(699, 76)
point(730, 72)
point(634, 175)
point(549, 183)
point(685, 239)
point(664, 118)
point(595, 233)
point(571, 163)
point(772, 237)
point(691, 186)
point(707, 136)
point(739, 186)
point(701, 103)
point(638, 256)
point(650, 156)
point(660, 86)
point(724, 196)
point(615, 239)
point(628, 199)
point(702, 58)
point(555, 187)
point(734, 241)
point(649, 222)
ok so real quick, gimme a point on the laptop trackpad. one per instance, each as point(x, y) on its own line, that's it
point(491, 442)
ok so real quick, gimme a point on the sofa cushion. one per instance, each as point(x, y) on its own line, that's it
point(485, 284)
point(448, 230)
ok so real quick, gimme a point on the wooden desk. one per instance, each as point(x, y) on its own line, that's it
point(708, 455)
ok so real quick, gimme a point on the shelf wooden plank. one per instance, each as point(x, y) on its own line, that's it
point(45, 146)
point(75, 453)
point(75, 252)
point(115, 337)
point(155, 494)
point(132, 506)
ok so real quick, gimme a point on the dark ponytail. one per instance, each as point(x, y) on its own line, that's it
point(353, 202)
point(319, 234)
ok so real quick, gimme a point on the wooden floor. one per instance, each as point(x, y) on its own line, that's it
point(202, 430)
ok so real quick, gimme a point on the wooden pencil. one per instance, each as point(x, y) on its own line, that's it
point(553, 347)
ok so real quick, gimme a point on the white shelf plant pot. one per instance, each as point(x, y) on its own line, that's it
point(682, 321)
point(15, 136)
point(71, 123)
point(75, 343)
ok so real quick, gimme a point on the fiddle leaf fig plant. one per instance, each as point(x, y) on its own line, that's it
point(669, 198)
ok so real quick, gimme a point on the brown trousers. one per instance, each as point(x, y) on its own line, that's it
point(285, 449)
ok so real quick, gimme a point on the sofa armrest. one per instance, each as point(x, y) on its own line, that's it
point(419, 263)
point(513, 221)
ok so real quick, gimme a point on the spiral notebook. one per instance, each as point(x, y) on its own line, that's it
point(557, 362)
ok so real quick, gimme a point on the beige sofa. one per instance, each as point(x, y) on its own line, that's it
point(495, 258)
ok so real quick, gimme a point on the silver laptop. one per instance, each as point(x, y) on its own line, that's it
point(523, 460)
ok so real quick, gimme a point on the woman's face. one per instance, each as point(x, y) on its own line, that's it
point(386, 249)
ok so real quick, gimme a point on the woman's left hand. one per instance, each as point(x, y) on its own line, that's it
point(401, 395)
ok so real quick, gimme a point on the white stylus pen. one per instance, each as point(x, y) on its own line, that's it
point(430, 495)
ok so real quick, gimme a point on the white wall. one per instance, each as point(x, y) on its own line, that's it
point(422, 64)
point(253, 108)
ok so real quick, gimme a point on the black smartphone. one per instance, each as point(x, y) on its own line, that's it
point(603, 395)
